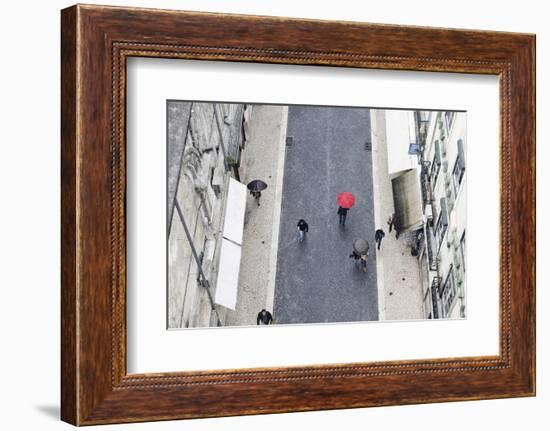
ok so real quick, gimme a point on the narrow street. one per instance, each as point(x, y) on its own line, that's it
point(316, 280)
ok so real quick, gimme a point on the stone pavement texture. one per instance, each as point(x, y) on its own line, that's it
point(316, 280)
point(263, 160)
point(399, 284)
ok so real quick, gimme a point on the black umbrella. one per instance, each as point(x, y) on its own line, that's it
point(361, 246)
point(256, 186)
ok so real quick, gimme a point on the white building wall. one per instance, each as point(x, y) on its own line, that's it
point(450, 249)
point(449, 253)
point(201, 195)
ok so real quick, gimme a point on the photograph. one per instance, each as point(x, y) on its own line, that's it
point(266, 212)
point(297, 214)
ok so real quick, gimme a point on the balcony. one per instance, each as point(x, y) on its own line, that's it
point(426, 185)
point(436, 283)
point(431, 243)
point(420, 244)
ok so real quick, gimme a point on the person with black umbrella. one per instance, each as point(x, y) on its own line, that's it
point(360, 252)
point(256, 187)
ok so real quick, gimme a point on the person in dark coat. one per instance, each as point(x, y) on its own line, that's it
point(303, 227)
point(391, 221)
point(360, 258)
point(355, 255)
point(264, 318)
point(378, 235)
point(342, 213)
point(256, 195)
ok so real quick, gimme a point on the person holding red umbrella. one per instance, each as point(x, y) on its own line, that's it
point(345, 201)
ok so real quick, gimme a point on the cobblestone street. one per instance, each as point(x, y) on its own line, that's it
point(316, 280)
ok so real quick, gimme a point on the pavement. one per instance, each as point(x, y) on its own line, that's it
point(316, 280)
point(399, 284)
point(263, 158)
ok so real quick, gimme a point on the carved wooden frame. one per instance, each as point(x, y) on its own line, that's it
point(95, 43)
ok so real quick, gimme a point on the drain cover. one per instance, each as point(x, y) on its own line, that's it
point(289, 140)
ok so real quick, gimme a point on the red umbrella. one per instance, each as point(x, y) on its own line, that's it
point(346, 199)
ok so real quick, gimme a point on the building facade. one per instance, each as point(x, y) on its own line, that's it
point(441, 244)
point(205, 142)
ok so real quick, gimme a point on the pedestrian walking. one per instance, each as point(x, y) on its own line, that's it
point(345, 201)
point(364, 262)
point(303, 227)
point(360, 252)
point(256, 196)
point(342, 214)
point(378, 235)
point(255, 187)
point(354, 255)
point(391, 221)
point(361, 258)
point(264, 318)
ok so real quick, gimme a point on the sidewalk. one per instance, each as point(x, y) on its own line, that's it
point(399, 284)
point(263, 159)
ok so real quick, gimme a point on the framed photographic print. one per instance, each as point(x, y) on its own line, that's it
point(331, 214)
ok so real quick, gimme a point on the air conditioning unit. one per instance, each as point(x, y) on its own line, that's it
point(456, 261)
point(429, 212)
point(459, 278)
point(443, 146)
point(217, 182)
point(456, 241)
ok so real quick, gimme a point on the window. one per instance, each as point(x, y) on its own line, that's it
point(436, 165)
point(448, 292)
point(459, 167)
point(442, 222)
point(463, 250)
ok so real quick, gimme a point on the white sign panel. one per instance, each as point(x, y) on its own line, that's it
point(398, 139)
point(228, 274)
point(234, 213)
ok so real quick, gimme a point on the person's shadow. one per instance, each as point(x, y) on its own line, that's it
point(49, 410)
